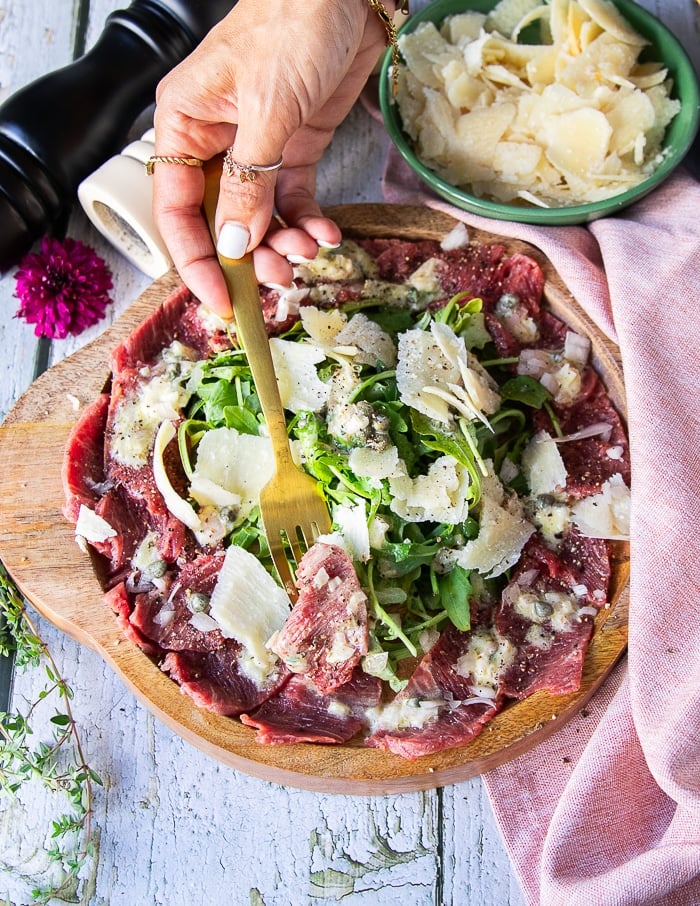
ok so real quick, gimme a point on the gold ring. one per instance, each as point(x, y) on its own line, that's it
point(247, 172)
point(166, 159)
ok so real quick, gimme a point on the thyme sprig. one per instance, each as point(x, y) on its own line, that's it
point(59, 764)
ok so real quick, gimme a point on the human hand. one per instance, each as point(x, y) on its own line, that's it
point(271, 80)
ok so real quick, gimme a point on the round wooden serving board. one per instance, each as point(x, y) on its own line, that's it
point(38, 548)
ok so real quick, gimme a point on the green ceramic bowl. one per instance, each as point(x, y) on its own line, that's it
point(678, 139)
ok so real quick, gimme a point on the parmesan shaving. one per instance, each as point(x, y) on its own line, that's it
point(543, 466)
point(92, 527)
point(247, 604)
point(503, 532)
point(352, 524)
point(607, 514)
point(299, 384)
point(223, 476)
point(440, 495)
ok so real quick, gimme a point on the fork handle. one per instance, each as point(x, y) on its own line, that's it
point(242, 286)
point(252, 333)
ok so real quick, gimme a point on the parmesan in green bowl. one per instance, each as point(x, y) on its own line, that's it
point(553, 113)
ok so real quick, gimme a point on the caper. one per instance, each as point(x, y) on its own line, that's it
point(157, 569)
point(197, 602)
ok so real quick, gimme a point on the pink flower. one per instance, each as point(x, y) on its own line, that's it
point(63, 288)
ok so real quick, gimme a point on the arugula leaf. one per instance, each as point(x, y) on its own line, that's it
point(189, 433)
point(217, 397)
point(381, 386)
point(455, 591)
point(466, 319)
point(392, 320)
point(242, 419)
point(399, 558)
point(525, 389)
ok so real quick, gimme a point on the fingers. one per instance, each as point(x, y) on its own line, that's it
point(305, 229)
point(186, 234)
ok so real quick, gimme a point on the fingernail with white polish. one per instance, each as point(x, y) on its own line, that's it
point(233, 240)
point(328, 245)
point(298, 259)
point(278, 287)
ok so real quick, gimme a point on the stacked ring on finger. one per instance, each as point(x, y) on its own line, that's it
point(247, 172)
point(169, 159)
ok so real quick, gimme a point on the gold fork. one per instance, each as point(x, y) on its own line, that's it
point(292, 509)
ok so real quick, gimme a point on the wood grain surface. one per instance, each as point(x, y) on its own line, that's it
point(38, 547)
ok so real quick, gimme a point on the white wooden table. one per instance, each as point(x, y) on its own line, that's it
point(174, 826)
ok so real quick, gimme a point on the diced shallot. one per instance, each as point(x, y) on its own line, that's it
point(549, 382)
point(203, 622)
point(528, 577)
point(576, 348)
point(483, 692)
point(321, 578)
point(288, 302)
point(457, 238)
point(534, 362)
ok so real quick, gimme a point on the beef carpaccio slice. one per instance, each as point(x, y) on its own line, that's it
point(326, 634)
point(215, 681)
point(444, 704)
point(300, 712)
point(547, 612)
point(533, 637)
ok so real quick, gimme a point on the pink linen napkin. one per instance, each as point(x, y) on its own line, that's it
point(607, 811)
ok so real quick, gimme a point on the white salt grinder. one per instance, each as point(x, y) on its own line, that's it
point(118, 197)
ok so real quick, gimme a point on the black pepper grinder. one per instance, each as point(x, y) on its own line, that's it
point(61, 127)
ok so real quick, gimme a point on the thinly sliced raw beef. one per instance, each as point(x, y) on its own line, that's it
point(588, 562)
point(326, 633)
point(83, 471)
point(117, 599)
point(486, 271)
point(300, 713)
point(174, 539)
point(215, 682)
point(175, 319)
point(167, 617)
point(519, 276)
point(540, 613)
point(552, 332)
point(397, 260)
point(459, 715)
point(127, 516)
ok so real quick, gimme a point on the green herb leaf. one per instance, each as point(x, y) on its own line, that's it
point(525, 389)
point(242, 419)
point(59, 765)
point(455, 591)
